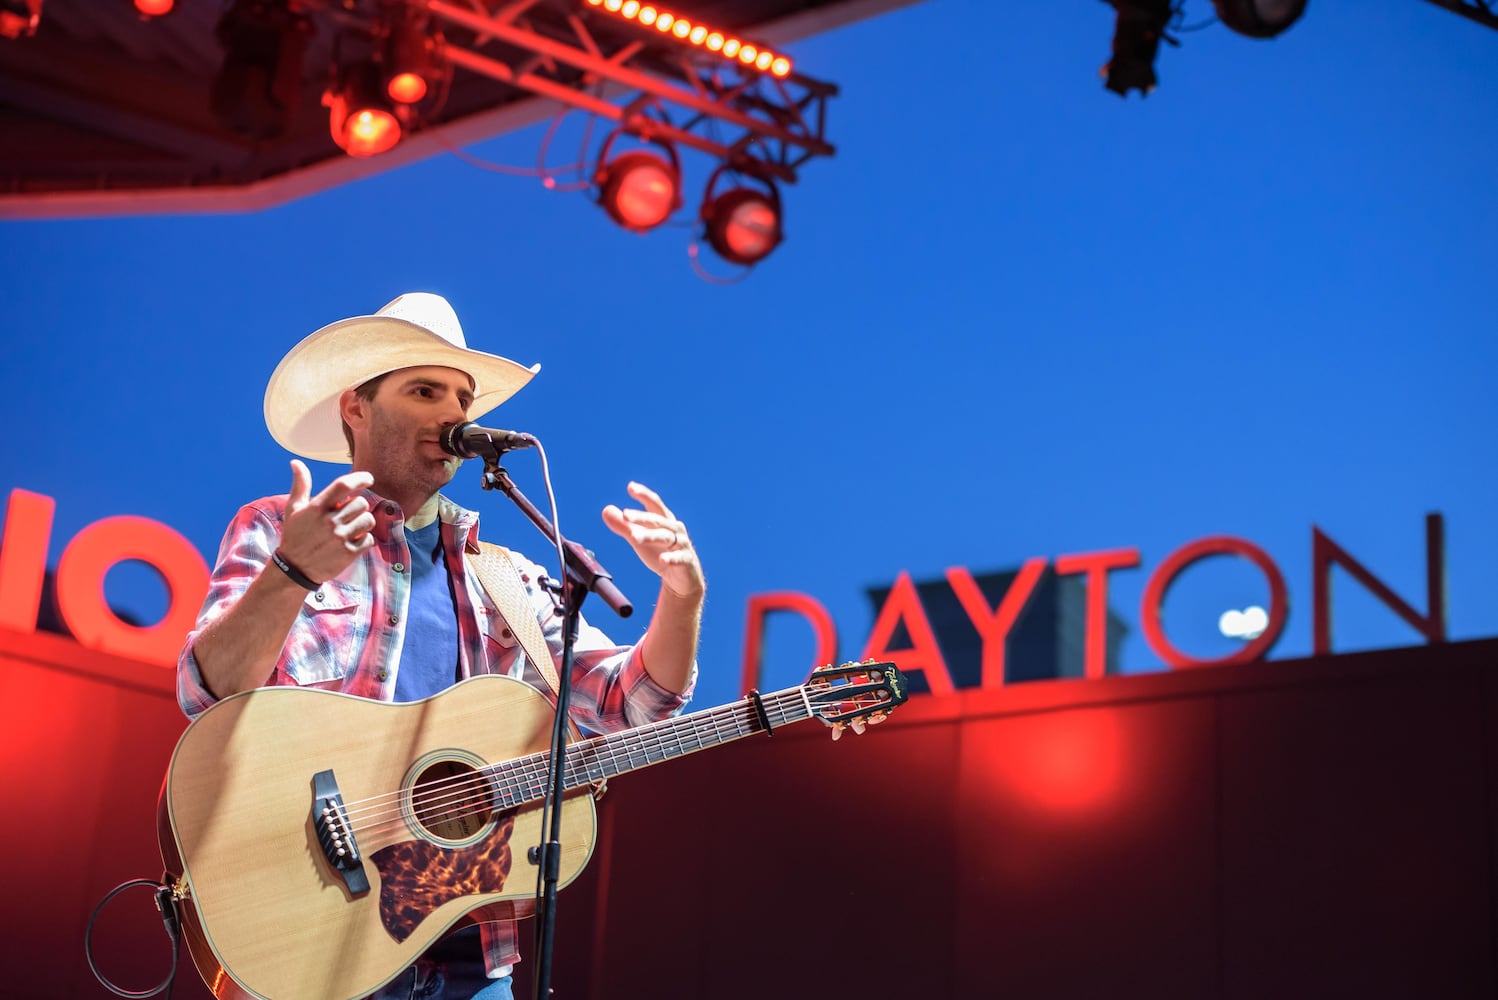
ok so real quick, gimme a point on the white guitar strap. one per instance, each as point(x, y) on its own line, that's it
point(497, 574)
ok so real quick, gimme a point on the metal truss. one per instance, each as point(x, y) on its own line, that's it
point(1484, 12)
point(755, 123)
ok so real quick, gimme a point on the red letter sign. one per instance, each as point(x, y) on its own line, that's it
point(805, 605)
point(1167, 571)
point(1096, 565)
point(80, 587)
point(23, 558)
point(924, 656)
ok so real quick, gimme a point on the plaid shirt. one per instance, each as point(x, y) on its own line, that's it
point(348, 635)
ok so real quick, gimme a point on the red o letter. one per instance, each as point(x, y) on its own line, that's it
point(80, 587)
point(1164, 576)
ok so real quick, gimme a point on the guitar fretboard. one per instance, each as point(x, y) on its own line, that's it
point(523, 779)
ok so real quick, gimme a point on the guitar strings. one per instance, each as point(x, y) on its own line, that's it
point(515, 782)
point(521, 780)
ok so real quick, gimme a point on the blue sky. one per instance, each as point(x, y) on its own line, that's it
point(1015, 316)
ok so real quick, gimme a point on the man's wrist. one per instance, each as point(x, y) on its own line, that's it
point(295, 575)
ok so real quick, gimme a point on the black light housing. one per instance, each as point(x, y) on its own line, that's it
point(638, 189)
point(1259, 18)
point(743, 224)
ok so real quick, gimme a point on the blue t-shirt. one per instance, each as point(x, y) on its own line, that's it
point(429, 657)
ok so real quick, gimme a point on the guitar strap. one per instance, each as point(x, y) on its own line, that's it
point(497, 574)
point(500, 579)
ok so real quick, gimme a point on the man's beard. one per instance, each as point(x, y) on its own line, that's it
point(397, 462)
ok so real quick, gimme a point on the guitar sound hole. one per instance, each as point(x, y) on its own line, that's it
point(451, 800)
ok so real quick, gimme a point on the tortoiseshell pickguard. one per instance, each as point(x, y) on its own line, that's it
point(417, 876)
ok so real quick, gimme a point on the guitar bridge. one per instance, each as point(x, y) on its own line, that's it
point(335, 834)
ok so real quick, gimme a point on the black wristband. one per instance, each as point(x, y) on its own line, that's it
point(297, 576)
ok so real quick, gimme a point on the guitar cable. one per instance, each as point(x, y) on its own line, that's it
point(166, 902)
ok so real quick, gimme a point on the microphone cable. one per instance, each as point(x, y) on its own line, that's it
point(166, 902)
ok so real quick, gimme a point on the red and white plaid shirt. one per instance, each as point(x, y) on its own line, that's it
point(349, 634)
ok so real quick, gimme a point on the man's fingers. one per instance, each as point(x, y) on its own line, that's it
point(301, 484)
point(649, 498)
point(354, 527)
point(333, 494)
point(352, 509)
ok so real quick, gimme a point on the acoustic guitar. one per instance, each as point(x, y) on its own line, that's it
point(318, 843)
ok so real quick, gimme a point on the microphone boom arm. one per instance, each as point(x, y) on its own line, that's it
point(584, 570)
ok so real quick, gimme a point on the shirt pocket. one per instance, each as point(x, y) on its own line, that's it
point(323, 646)
point(502, 652)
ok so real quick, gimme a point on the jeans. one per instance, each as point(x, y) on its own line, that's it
point(451, 969)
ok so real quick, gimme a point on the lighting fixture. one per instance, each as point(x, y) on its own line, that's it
point(743, 224)
point(360, 116)
point(638, 189)
point(695, 34)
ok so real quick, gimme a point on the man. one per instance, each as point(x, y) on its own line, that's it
point(363, 586)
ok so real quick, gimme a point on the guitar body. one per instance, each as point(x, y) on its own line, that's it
point(269, 915)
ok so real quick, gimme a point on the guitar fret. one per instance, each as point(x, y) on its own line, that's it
point(596, 759)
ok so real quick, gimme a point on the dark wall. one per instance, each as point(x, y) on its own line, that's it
point(1293, 829)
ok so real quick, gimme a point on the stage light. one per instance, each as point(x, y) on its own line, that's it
point(743, 224)
point(1138, 28)
point(691, 33)
point(258, 85)
point(360, 117)
point(638, 189)
point(19, 18)
point(154, 8)
point(412, 63)
point(1259, 18)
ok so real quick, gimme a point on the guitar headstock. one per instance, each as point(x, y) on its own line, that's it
point(855, 694)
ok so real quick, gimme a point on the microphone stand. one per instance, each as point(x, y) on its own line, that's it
point(583, 574)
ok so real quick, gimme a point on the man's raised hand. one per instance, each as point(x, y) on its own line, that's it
point(322, 534)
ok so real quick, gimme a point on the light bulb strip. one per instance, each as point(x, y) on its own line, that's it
point(723, 44)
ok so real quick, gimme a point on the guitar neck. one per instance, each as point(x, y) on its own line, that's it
point(593, 760)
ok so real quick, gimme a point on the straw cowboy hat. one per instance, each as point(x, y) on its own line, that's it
point(418, 328)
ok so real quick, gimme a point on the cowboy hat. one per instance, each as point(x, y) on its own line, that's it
point(418, 328)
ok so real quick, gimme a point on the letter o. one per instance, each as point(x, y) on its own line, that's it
point(1175, 563)
point(80, 587)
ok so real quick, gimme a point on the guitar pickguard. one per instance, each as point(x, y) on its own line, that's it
point(417, 876)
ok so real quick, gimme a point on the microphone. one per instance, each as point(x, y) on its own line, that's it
point(469, 440)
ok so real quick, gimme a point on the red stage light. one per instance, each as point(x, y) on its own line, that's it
point(669, 23)
point(369, 131)
point(413, 56)
point(407, 88)
point(155, 8)
point(742, 224)
point(639, 190)
point(360, 117)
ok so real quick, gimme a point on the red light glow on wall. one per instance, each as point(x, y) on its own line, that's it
point(1067, 762)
